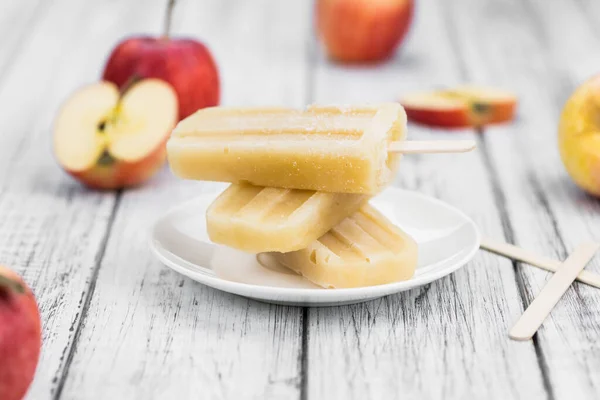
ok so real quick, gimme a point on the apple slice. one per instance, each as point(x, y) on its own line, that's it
point(464, 106)
point(109, 140)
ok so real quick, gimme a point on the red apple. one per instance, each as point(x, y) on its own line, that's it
point(110, 140)
point(186, 64)
point(20, 336)
point(461, 107)
point(362, 30)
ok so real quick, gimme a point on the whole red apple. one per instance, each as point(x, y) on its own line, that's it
point(362, 30)
point(20, 336)
point(186, 64)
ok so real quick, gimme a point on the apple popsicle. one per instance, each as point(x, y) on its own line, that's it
point(325, 148)
point(365, 249)
point(258, 219)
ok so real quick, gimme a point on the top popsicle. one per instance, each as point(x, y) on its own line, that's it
point(325, 148)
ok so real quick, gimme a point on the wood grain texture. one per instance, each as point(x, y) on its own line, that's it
point(555, 288)
point(52, 230)
point(152, 334)
point(447, 340)
point(118, 324)
point(524, 46)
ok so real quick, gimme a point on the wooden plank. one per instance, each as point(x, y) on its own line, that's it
point(51, 229)
point(447, 340)
point(149, 332)
point(540, 52)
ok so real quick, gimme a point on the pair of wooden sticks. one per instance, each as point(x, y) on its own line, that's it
point(565, 273)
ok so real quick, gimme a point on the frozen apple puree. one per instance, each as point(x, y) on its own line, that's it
point(258, 219)
point(301, 180)
point(325, 148)
point(365, 249)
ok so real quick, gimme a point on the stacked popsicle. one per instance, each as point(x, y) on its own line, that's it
point(301, 180)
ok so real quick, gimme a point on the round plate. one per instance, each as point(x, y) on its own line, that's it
point(447, 240)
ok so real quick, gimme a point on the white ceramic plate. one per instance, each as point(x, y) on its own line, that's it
point(447, 240)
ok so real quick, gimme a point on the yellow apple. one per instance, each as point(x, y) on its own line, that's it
point(579, 136)
point(110, 140)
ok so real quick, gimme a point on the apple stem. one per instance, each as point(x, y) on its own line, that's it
point(168, 17)
point(11, 284)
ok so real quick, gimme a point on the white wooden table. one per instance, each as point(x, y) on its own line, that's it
point(119, 325)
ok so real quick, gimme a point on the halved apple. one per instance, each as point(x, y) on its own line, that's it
point(464, 106)
point(109, 140)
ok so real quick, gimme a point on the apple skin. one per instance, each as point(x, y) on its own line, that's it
point(20, 338)
point(447, 118)
point(462, 106)
point(579, 136)
point(122, 174)
point(502, 112)
point(184, 63)
point(362, 31)
point(461, 117)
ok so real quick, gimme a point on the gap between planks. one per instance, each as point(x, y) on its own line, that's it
point(311, 65)
point(88, 297)
point(509, 235)
point(498, 195)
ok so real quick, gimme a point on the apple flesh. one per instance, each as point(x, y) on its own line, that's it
point(20, 336)
point(109, 141)
point(186, 64)
point(579, 136)
point(462, 107)
point(362, 30)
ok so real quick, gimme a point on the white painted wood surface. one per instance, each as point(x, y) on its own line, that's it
point(449, 339)
point(164, 336)
point(117, 324)
point(542, 210)
point(51, 231)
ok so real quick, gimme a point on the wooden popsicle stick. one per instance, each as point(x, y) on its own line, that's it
point(545, 301)
point(548, 264)
point(431, 146)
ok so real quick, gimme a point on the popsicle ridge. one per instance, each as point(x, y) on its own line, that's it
point(255, 219)
point(365, 249)
point(387, 124)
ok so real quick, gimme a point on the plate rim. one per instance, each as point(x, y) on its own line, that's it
point(308, 294)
